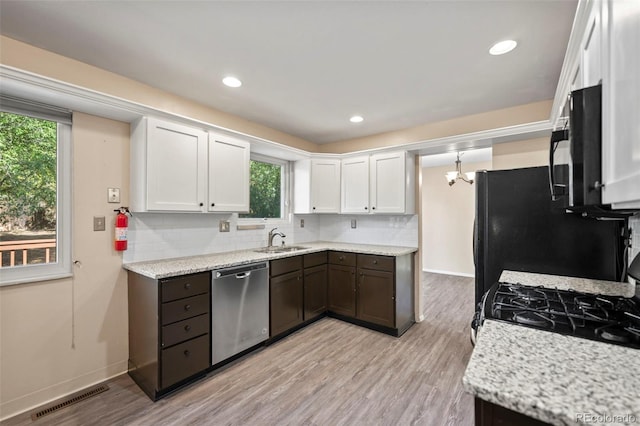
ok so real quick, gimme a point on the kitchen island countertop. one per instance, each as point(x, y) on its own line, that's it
point(164, 268)
point(562, 380)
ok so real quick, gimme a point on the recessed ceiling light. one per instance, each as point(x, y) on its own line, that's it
point(356, 119)
point(231, 82)
point(502, 47)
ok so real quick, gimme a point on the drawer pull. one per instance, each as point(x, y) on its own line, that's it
point(375, 262)
point(187, 307)
point(187, 327)
point(187, 286)
point(186, 352)
point(341, 258)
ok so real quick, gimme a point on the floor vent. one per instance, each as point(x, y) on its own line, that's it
point(73, 399)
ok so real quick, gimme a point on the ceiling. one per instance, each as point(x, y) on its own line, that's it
point(307, 66)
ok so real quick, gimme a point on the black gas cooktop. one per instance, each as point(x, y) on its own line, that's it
point(608, 319)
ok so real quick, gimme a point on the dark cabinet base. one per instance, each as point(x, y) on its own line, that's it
point(396, 332)
point(489, 414)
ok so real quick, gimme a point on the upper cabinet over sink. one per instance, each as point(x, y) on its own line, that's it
point(179, 168)
point(379, 184)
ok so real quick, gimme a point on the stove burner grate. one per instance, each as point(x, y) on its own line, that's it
point(534, 319)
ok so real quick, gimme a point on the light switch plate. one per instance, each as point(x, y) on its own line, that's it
point(113, 195)
point(301, 223)
point(354, 224)
point(98, 223)
point(225, 226)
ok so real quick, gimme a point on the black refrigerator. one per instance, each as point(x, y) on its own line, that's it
point(518, 228)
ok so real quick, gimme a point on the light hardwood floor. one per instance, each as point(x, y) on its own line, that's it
point(329, 373)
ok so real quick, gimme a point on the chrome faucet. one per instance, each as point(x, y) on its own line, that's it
point(273, 234)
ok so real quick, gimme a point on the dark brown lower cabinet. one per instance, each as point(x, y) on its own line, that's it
point(285, 295)
point(169, 331)
point(489, 414)
point(372, 290)
point(375, 301)
point(342, 290)
point(315, 291)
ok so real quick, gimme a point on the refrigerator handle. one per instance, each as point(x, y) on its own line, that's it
point(473, 243)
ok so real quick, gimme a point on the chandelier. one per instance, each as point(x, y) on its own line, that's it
point(452, 177)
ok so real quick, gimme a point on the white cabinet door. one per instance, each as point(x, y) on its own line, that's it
point(355, 185)
point(228, 174)
point(325, 186)
point(176, 164)
point(591, 55)
point(387, 192)
point(621, 106)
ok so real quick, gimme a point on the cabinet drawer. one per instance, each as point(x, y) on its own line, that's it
point(184, 360)
point(185, 308)
point(185, 330)
point(282, 266)
point(185, 286)
point(315, 259)
point(342, 258)
point(380, 263)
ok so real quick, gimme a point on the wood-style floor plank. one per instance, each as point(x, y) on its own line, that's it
point(329, 373)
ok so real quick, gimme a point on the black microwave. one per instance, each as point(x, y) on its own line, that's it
point(575, 154)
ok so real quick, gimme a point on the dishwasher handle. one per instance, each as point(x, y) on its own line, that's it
point(242, 271)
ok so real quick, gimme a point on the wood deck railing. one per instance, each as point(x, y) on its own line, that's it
point(25, 245)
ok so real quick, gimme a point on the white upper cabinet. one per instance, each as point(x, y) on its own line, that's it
point(317, 186)
point(621, 104)
point(379, 184)
point(604, 47)
point(228, 174)
point(392, 183)
point(179, 168)
point(168, 167)
point(355, 185)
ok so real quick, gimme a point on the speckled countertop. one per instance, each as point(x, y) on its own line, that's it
point(558, 379)
point(583, 285)
point(188, 265)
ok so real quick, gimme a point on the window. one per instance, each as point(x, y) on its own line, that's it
point(35, 152)
point(268, 188)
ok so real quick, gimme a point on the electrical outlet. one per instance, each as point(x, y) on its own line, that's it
point(225, 226)
point(113, 195)
point(354, 224)
point(98, 223)
point(301, 223)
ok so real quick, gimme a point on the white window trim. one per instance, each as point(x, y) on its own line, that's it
point(285, 200)
point(62, 267)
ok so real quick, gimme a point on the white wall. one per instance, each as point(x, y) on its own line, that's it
point(60, 336)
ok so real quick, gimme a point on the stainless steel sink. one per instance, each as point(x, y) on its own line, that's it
point(280, 249)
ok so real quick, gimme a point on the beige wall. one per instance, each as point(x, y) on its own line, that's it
point(59, 336)
point(515, 155)
point(447, 221)
point(537, 111)
point(42, 62)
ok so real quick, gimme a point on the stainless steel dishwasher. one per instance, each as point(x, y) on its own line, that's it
point(239, 309)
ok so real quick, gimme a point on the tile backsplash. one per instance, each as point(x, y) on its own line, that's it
point(166, 235)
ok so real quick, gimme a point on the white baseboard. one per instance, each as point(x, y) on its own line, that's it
point(51, 393)
point(459, 274)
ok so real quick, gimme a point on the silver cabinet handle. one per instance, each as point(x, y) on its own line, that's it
point(243, 275)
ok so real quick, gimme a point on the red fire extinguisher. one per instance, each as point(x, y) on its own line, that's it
point(122, 222)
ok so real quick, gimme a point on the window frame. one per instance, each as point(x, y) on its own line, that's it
point(62, 267)
point(285, 196)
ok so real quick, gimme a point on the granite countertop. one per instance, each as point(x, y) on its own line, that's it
point(583, 285)
point(562, 380)
point(188, 265)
